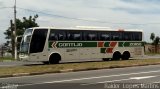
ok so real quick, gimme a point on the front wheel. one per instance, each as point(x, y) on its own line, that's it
point(54, 59)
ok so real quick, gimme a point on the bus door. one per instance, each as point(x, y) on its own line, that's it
point(38, 50)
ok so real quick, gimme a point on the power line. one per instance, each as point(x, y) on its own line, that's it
point(60, 16)
point(72, 18)
point(5, 7)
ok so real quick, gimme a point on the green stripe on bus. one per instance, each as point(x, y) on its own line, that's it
point(106, 44)
point(71, 44)
point(131, 44)
point(103, 50)
point(56, 44)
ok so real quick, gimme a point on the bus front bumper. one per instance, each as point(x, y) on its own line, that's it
point(23, 57)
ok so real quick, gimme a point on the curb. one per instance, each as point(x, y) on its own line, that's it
point(70, 70)
point(20, 74)
point(67, 70)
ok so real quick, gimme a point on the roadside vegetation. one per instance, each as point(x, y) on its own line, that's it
point(56, 68)
point(155, 42)
point(154, 47)
point(151, 54)
point(6, 58)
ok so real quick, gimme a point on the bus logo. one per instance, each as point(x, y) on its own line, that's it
point(130, 44)
point(135, 44)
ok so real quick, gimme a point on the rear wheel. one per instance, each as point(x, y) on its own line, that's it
point(126, 55)
point(54, 59)
point(105, 59)
point(46, 62)
point(116, 55)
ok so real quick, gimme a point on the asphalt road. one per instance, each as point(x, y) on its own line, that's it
point(120, 78)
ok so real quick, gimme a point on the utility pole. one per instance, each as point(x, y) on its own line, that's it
point(12, 38)
point(2, 51)
point(15, 32)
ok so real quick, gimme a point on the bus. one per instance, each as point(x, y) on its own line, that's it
point(56, 45)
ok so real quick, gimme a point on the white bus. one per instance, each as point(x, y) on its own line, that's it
point(54, 45)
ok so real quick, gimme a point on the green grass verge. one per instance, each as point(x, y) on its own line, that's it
point(152, 54)
point(6, 58)
point(75, 66)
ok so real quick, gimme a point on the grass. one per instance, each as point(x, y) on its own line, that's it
point(152, 53)
point(6, 58)
point(75, 66)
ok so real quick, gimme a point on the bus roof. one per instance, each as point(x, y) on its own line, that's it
point(89, 28)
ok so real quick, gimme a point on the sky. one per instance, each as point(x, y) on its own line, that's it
point(116, 14)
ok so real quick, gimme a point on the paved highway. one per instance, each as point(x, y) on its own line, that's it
point(96, 79)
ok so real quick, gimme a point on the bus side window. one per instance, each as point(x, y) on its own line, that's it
point(69, 37)
point(115, 36)
point(53, 36)
point(104, 36)
point(137, 36)
point(61, 35)
point(127, 36)
point(91, 36)
point(74, 35)
point(77, 36)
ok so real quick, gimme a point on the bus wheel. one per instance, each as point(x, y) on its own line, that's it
point(116, 55)
point(126, 55)
point(45, 62)
point(54, 58)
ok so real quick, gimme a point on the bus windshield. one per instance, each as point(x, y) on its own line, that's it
point(24, 48)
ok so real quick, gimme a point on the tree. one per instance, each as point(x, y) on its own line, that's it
point(152, 36)
point(156, 41)
point(21, 26)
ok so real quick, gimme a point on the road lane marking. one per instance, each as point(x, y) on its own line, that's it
point(104, 82)
point(157, 82)
point(89, 78)
point(144, 77)
point(132, 78)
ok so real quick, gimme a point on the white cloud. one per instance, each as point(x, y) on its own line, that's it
point(141, 14)
point(140, 6)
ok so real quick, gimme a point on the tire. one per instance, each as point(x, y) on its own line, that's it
point(116, 56)
point(105, 59)
point(126, 55)
point(46, 62)
point(54, 59)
